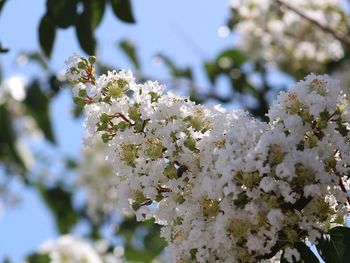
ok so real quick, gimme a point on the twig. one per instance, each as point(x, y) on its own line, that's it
point(337, 35)
point(121, 115)
point(344, 190)
point(342, 187)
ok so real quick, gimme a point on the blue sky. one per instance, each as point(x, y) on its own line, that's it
point(184, 30)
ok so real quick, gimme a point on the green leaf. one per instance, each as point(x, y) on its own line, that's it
point(62, 12)
point(37, 105)
point(335, 248)
point(176, 71)
point(224, 63)
point(47, 34)
point(3, 49)
point(55, 85)
point(38, 258)
point(60, 203)
point(123, 10)
point(306, 255)
point(151, 243)
point(8, 150)
point(130, 51)
point(38, 58)
point(84, 29)
point(98, 9)
point(2, 3)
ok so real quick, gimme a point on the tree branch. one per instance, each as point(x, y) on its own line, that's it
point(337, 35)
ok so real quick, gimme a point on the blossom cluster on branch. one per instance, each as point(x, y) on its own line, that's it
point(95, 175)
point(224, 186)
point(68, 248)
point(286, 35)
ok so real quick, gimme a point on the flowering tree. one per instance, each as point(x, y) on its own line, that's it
point(223, 186)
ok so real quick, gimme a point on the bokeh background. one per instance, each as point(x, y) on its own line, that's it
point(186, 31)
point(193, 47)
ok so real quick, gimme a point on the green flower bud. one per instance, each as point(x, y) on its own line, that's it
point(140, 200)
point(291, 235)
point(210, 207)
point(82, 65)
point(330, 164)
point(276, 155)
point(272, 201)
point(134, 113)
point(292, 218)
point(312, 139)
point(339, 220)
point(92, 59)
point(116, 92)
point(122, 126)
point(139, 126)
point(190, 143)
point(82, 93)
point(304, 176)
point(128, 153)
point(104, 117)
point(241, 200)
point(170, 172)
point(105, 137)
point(154, 148)
point(79, 101)
point(319, 86)
point(180, 199)
point(154, 96)
point(197, 122)
point(250, 179)
point(238, 228)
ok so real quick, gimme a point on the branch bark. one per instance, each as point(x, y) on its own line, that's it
point(337, 35)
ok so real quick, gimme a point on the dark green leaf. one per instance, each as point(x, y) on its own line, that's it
point(236, 57)
point(47, 34)
point(38, 258)
point(60, 203)
point(55, 85)
point(71, 164)
point(62, 12)
point(335, 248)
point(38, 58)
point(3, 49)
point(177, 72)
point(8, 150)
point(152, 244)
point(123, 10)
point(2, 3)
point(225, 63)
point(213, 71)
point(37, 105)
point(129, 49)
point(306, 255)
point(84, 29)
point(98, 9)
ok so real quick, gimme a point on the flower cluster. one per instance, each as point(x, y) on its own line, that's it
point(95, 174)
point(224, 186)
point(69, 248)
point(275, 33)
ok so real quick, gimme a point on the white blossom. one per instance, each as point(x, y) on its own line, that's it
point(224, 186)
point(274, 33)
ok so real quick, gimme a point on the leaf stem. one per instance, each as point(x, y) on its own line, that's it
point(337, 35)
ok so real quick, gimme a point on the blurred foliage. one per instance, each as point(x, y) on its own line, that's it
point(63, 14)
point(247, 82)
point(151, 245)
point(60, 203)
